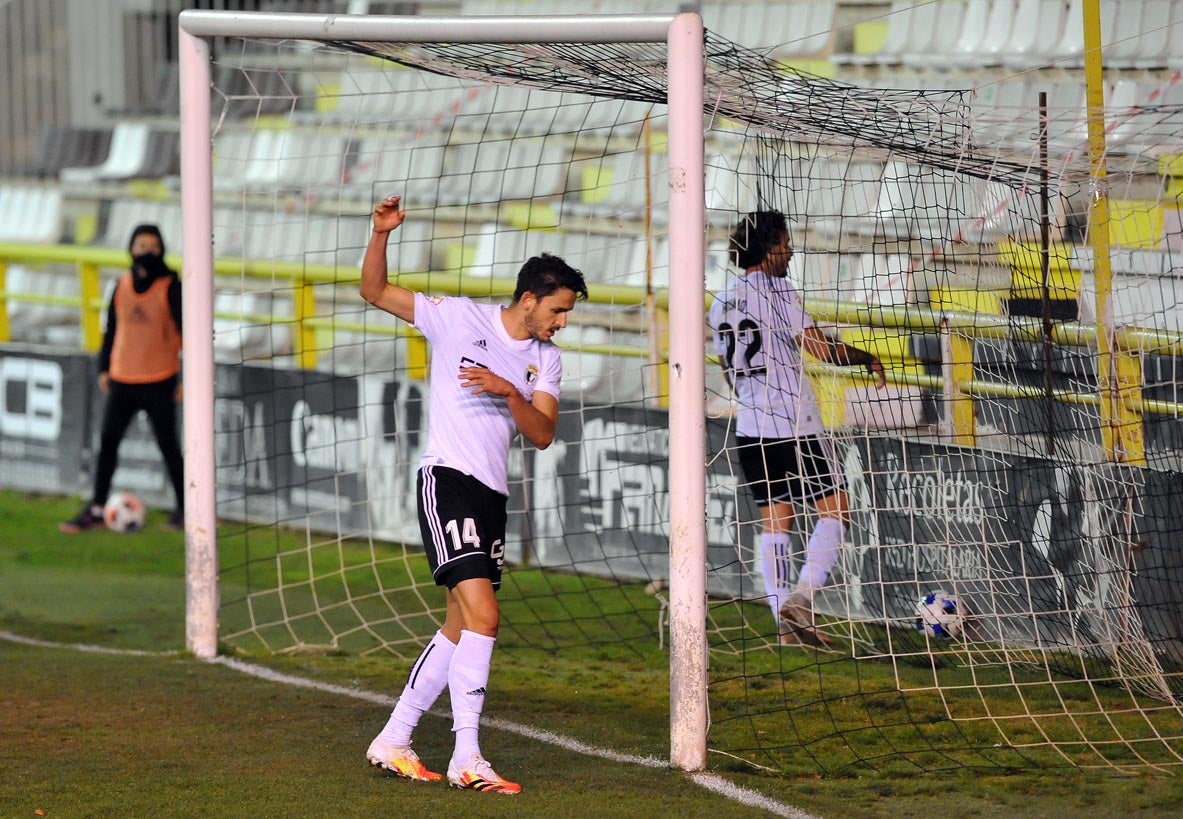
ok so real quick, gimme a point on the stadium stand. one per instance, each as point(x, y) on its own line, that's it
point(62, 147)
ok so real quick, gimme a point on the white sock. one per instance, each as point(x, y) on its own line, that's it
point(425, 683)
point(821, 553)
point(774, 569)
point(467, 678)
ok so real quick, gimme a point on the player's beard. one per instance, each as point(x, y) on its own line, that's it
point(537, 329)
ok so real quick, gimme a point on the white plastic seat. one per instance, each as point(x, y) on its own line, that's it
point(919, 202)
point(474, 173)
point(997, 37)
point(796, 29)
point(836, 196)
point(1154, 40)
point(238, 336)
point(615, 183)
point(496, 170)
point(410, 247)
point(232, 154)
point(1037, 23)
point(923, 41)
point(1124, 119)
point(30, 214)
point(972, 32)
point(1069, 50)
point(126, 214)
point(291, 160)
point(30, 321)
point(730, 181)
point(129, 148)
point(1123, 43)
point(386, 167)
point(897, 41)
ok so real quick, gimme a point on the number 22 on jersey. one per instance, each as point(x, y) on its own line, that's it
point(747, 339)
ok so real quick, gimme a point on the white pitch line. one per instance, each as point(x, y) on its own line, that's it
point(711, 782)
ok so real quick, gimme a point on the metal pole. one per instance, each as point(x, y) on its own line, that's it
point(197, 267)
point(1045, 270)
point(688, 647)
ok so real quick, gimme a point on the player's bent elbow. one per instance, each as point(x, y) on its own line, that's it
point(369, 293)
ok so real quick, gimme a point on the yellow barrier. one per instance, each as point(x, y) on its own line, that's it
point(962, 325)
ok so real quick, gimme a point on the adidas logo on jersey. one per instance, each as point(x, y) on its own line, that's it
point(477, 692)
point(480, 342)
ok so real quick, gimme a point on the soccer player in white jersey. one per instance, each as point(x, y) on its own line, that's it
point(494, 373)
point(760, 330)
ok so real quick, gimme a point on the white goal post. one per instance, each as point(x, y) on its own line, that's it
point(683, 34)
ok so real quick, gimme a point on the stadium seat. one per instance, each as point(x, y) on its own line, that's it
point(124, 214)
point(614, 185)
point(718, 266)
point(396, 165)
point(929, 40)
point(410, 250)
point(1068, 51)
point(898, 40)
point(30, 214)
point(127, 154)
point(1152, 43)
point(785, 30)
point(833, 195)
point(1145, 292)
point(508, 106)
point(1037, 23)
point(238, 332)
point(35, 323)
point(730, 181)
point(162, 158)
point(997, 36)
point(1174, 51)
point(971, 34)
point(65, 147)
point(603, 258)
point(246, 93)
point(294, 161)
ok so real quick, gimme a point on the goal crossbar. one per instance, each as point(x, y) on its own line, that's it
point(684, 37)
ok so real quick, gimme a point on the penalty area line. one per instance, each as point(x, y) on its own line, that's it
point(711, 782)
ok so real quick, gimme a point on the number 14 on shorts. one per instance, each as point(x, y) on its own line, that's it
point(467, 534)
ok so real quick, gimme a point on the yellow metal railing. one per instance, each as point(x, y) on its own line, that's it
point(960, 326)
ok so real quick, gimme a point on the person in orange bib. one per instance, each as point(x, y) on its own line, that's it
point(139, 368)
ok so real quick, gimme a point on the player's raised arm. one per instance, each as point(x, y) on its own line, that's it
point(376, 287)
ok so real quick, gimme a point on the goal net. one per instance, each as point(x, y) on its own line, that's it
point(951, 233)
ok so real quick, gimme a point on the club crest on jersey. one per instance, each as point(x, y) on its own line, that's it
point(531, 374)
point(436, 300)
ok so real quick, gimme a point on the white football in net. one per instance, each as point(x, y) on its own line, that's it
point(940, 615)
point(124, 512)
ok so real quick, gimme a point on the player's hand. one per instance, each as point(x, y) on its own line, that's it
point(104, 383)
point(388, 215)
point(485, 380)
point(179, 393)
point(875, 368)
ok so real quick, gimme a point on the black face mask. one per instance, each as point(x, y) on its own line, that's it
point(150, 263)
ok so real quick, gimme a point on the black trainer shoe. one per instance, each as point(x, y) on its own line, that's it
point(176, 521)
point(91, 517)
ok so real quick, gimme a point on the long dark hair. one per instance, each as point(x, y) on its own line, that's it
point(754, 236)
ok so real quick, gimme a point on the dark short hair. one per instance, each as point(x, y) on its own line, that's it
point(754, 236)
point(544, 274)
point(151, 230)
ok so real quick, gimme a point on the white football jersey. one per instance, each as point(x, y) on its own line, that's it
point(467, 432)
point(757, 322)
